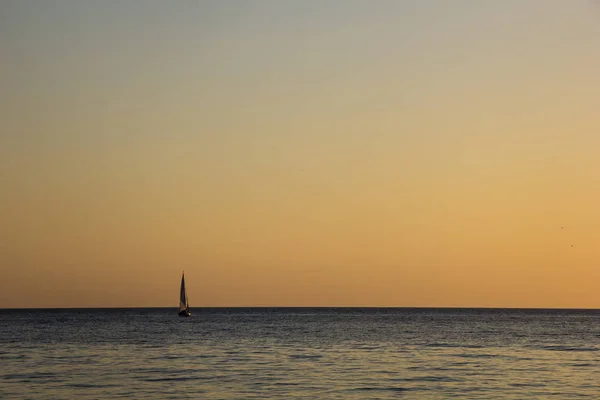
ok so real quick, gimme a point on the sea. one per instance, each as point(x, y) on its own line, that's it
point(300, 353)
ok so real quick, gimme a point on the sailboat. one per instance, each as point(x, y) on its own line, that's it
point(184, 305)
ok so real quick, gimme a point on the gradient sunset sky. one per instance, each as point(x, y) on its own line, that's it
point(300, 153)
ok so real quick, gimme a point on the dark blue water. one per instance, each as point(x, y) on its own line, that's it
point(296, 353)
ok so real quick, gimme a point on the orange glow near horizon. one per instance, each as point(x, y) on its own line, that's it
point(351, 157)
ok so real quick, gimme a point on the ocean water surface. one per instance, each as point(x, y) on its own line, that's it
point(300, 353)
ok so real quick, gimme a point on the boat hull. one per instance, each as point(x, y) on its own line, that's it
point(185, 313)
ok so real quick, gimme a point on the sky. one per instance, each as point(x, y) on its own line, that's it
point(300, 153)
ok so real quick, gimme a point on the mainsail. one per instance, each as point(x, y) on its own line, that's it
point(183, 300)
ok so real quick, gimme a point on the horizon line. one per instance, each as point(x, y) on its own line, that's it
point(305, 307)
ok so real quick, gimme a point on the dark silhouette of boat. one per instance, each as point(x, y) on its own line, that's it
point(184, 305)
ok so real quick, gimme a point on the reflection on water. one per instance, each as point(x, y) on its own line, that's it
point(299, 353)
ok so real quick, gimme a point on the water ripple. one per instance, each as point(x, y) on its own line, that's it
point(347, 354)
